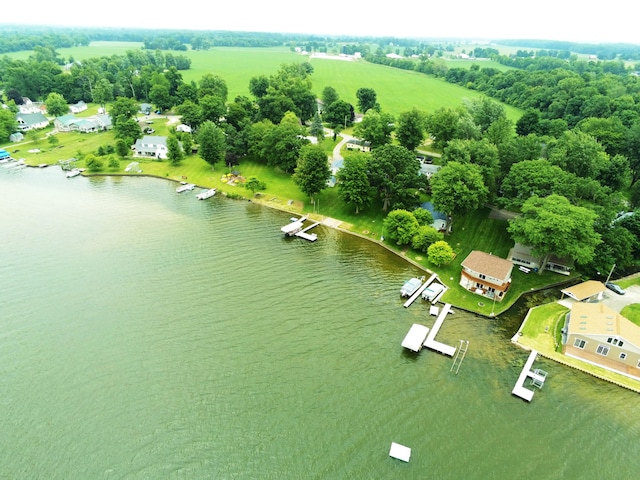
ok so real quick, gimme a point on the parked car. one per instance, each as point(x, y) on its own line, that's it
point(614, 287)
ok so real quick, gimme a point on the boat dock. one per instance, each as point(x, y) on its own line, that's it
point(417, 293)
point(414, 339)
point(312, 237)
point(537, 378)
point(430, 341)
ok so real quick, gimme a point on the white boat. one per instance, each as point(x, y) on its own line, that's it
point(432, 291)
point(73, 173)
point(186, 187)
point(410, 287)
point(206, 194)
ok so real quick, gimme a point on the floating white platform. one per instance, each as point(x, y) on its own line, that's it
point(431, 343)
point(185, 187)
point(414, 339)
point(433, 310)
point(294, 226)
point(400, 452)
point(312, 237)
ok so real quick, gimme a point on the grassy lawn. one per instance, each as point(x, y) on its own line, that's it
point(541, 332)
point(632, 313)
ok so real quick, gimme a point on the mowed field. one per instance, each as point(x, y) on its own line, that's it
point(397, 90)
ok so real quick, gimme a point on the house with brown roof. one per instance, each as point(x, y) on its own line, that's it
point(486, 274)
point(598, 335)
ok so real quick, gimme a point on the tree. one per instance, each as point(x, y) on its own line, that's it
point(339, 114)
point(212, 143)
point(161, 97)
point(190, 114)
point(423, 216)
point(458, 188)
point(579, 153)
point(113, 162)
point(375, 128)
point(123, 109)
point(258, 86)
point(213, 85)
point(329, 95)
point(353, 182)
point(52, 140)
point(401, 226)
point(410, 129)
point(254, 184)
point(56, 105)
point(393, 172)
point(485, 112)
point(553, 226)
point(187, 142)
point(528, 123)
point(367, 99)
point(102, 92)
point(440, 253)
point(442, 125)
point(174, 150)
point(312, 172)
point(281, 144)
point(316, 129)
point(425, 237)
point(93, 163)
point(127, 130)
point(8, 124)
point(122, 149)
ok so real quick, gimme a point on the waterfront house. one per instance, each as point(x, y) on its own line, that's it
point(523, 255)
point(597, 334)
point(486, 274)
point(31, 121)
point(151, 146)
point(589, 291)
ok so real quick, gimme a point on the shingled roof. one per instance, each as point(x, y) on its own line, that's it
point(487, 264)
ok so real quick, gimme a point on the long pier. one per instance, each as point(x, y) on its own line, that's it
point(431, 342)
point(417, 293)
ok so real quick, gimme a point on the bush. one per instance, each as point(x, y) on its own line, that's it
point(424, 237)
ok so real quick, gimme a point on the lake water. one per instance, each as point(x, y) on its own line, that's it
point(145, 334)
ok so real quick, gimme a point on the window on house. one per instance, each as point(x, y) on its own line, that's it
point(602, 350)
point(623, 356)
point(482, 276)
point(609, 340)
point(579, 343)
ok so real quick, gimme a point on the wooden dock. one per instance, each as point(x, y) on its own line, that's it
point(418, 292)
point(519, 389)
point(431, 343)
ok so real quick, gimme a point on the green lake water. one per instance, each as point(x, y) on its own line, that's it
point(146, 335)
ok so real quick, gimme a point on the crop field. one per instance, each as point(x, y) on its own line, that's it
point(397, 90)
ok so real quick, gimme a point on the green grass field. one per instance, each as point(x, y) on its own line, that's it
point(397, 90)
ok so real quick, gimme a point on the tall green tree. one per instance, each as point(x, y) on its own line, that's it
point(367, 99)
point(339, 114)
point(329, 95)
point(553, 226)
point(103, 92)
point(400, 226)
point(8, 124)
point(212, 144)
point(393, 172)
point(312, 172)
point(174, 150)
point(410, 129)
point(353, 182)
point(440, 253)
point(458, 188)
point(375, 128)
point(56, 105)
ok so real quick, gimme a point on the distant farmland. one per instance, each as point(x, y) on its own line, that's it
point(397, 90)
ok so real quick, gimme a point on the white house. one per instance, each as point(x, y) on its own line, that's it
point(31, 121)
point(151, 146)
point(78, 107)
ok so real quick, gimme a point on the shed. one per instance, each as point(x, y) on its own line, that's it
point(16, 137)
